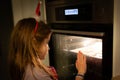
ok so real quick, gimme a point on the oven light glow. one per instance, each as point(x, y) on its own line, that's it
point(94, 50)
point(86, 42)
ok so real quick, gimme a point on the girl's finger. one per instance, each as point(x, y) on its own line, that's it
point(79, 55)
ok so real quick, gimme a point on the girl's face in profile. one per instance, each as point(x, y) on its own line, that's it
point(44, 48)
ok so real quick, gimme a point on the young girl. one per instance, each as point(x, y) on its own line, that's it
point(28, 47)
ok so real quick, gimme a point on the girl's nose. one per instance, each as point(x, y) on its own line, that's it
point(48, 47)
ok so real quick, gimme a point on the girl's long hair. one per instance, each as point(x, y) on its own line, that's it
point(24, 43)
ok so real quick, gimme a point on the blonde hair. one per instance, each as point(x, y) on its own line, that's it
point(24, 44)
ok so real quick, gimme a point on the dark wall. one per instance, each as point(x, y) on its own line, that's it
point(6, 25)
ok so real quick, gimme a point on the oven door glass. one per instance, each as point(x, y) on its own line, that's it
point(64, 50)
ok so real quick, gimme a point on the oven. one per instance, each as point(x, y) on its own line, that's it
point(73, 31)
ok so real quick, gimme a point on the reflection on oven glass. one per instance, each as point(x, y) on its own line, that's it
point(89, 46)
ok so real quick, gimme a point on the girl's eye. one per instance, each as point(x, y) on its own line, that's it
point(47, 41)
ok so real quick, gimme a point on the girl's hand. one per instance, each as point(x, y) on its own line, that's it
point(81, 63)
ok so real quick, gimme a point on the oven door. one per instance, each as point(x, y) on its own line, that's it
point(94, 40)
point(65, 46)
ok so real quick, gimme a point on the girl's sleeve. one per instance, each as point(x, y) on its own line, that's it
point(36, 74)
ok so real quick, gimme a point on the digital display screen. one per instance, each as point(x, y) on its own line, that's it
point(71, 11)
